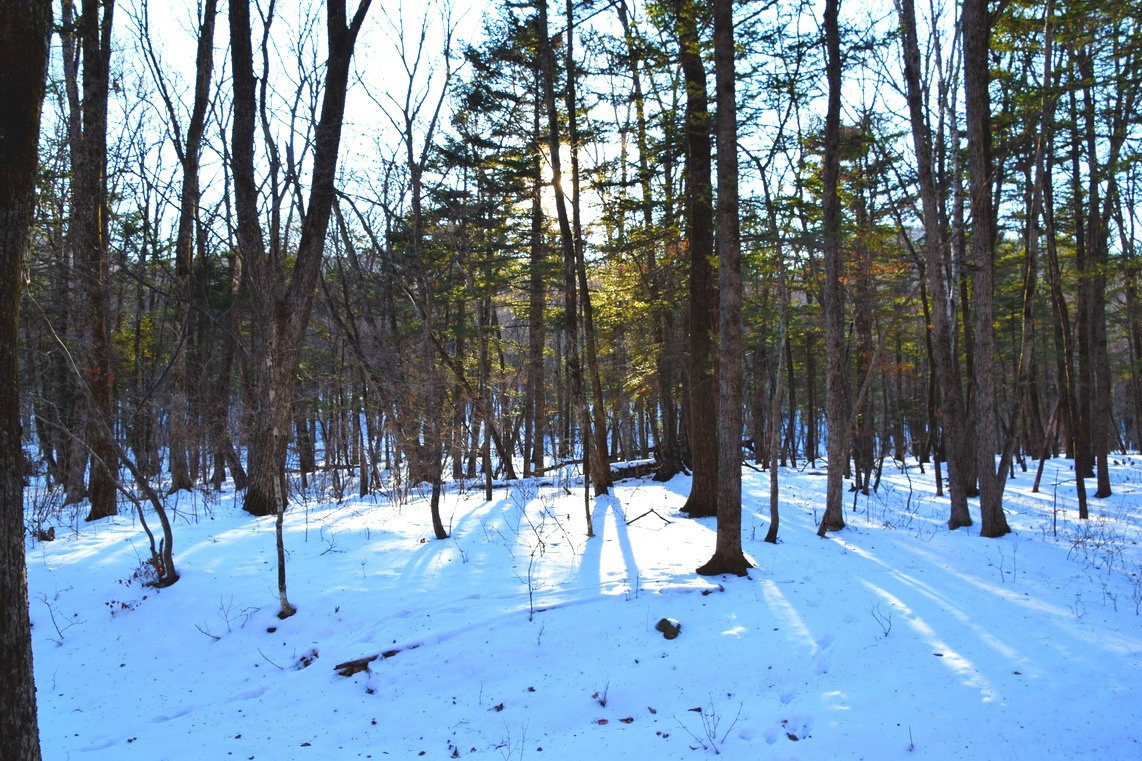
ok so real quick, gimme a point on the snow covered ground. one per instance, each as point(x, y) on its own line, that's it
point(517, 638)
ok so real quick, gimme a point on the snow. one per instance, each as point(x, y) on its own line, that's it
point(518, 638)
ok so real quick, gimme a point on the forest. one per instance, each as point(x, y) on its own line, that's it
point(285, 247)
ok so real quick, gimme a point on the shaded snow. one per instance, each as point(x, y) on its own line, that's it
point(520, 639)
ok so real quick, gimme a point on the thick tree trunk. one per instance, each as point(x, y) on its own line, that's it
point(25, 29)
point(728, 556)
point(703, 411)
point(977, 34)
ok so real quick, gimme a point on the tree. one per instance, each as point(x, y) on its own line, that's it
point(703, 499)
point(952, 406)
point(188, 148)
point(834, 295)
point(728, 556)
point(25, 30)
point(567, 240)
point(281, 314)
point(976, 52)
point(88, 232)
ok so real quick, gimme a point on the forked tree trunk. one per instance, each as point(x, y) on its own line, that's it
point(281, 318)
point(25, 29)
point(952, 408)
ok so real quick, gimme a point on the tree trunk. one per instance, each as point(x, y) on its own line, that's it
point(25, 29)
point(281, 318)
point(703, 499)
point(669, 452)
point(536, 399)
point(834, 296)
point(976, 52)
point(951, 409)
point(89, 230)
point(578, 399)
point(191, 151)
point(728, 556)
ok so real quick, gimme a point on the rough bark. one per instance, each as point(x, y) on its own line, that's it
point(25, 29)
point(976, 52)
point(703, 499)
point(728, 556)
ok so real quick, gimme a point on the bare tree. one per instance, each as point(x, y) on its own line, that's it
point(188, 149)
point(88, 66)
point(282, 294)
point(952, 405)
point(25, 29)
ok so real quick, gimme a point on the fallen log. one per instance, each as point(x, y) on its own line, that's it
point(357, 665)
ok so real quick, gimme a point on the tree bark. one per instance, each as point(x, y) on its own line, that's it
point(190, 154)
point(578, 399)
point(728, 556)
point(25, 30)
point(281, 318)
point(703, 499)
point(602, 472)
point(834, 295)
point(976, 53)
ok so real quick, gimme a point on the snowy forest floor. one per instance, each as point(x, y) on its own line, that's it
point(518, 638)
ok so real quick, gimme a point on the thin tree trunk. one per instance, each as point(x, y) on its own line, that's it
point(282, 318)
point(578, 398)
point(834, 296)
point(669, 455)
point(941, 333)
point(191, 151)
